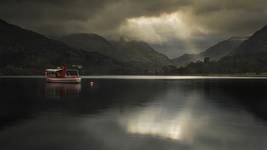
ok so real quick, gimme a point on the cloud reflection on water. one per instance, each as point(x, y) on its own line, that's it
point(187, 115)
point(189, 119)
point(166, 121)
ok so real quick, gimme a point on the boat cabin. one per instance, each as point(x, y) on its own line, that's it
point(62, 74)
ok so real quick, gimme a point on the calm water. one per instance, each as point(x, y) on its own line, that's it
point(199, 114)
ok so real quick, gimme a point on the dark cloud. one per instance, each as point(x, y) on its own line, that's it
point(205, 18)
point(64, 15)
point(51, 16)
point(231, 17)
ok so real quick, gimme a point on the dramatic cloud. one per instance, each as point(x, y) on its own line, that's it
point(188, 25)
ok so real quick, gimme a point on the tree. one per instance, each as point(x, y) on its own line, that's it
point(206, 60)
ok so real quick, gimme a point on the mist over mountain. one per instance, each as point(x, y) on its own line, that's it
point(136, 54)
point(215, 52)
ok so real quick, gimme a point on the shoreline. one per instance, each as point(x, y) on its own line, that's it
point(147, 77)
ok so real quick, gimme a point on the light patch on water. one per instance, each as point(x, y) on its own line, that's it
point(157, 121)
point(145, 77)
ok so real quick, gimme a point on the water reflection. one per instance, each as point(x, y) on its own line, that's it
point(191, 121)
point(158, 122)
point(59, 90)
point(119, 115)
point(166, 120)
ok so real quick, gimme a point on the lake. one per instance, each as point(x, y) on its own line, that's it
point(134, 113)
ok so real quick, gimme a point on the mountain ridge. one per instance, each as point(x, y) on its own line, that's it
point(137, 54)
point(255, 44)
point(249, 58)
point(215, 52)
point(23, 51)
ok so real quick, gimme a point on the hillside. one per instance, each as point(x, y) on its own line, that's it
point(256, 44)
point(215, 52)
point(138, 55)
point(249, 57)
point(185, 59)
point(89, 42)
point(223, 48)
point(26, 52)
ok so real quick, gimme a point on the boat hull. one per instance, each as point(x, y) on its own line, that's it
point(64, 80)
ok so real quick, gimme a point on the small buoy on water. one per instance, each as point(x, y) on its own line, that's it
point(92, 83)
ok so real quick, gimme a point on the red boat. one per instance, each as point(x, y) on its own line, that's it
point(62, 75)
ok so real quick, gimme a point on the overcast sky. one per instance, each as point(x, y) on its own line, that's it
point(173, 26)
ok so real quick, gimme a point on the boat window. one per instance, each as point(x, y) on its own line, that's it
point(51, 74)
point(72, 73)
point(68, 73)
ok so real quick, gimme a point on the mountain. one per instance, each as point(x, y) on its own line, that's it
point(185, 59)
point(249, 57)
point(26, 52)
point(223, 48)
point(256, 44)
point(138, 55)
point(89, 42)
point(215, 52)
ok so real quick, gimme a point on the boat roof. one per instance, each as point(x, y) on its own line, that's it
point(53, 70)
point(59, 69)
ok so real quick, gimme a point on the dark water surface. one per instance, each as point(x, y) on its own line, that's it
point(187, 114)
